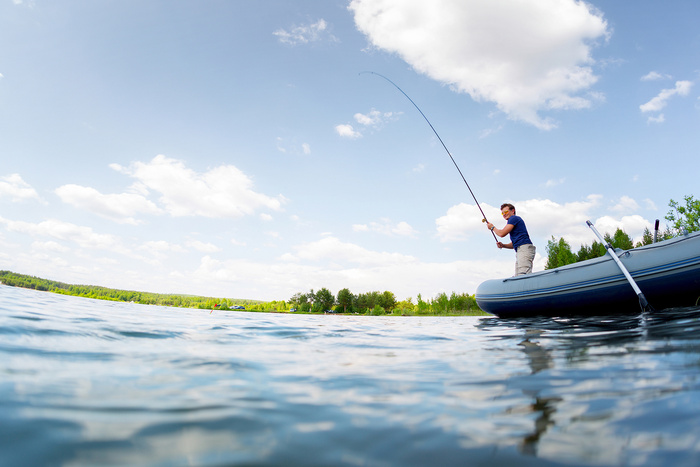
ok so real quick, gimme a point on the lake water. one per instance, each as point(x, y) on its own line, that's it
point(87, 382)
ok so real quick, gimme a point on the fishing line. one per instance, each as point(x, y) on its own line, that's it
point(441, 142)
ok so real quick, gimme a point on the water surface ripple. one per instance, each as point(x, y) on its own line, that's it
point(87, 382)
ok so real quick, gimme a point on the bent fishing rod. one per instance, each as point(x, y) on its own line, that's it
point(441, 142)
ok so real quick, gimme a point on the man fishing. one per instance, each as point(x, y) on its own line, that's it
point(520, 239)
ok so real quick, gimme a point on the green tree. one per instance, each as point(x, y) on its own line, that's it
point(584, 253)
point(301, 301)
point(422, 305)
point(598, 249)
point(345, 299)
point(367, 301)
point(387, 300)
point(324, 299)
point(666, 234)
point(685, 217)
point(620, 240)
point(440, 303)
point(647, 238)
point(361, 302)
point(405, 306)
point(558, 253)
point(462, 302)
point(295, 300)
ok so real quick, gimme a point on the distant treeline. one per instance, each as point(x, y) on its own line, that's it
point(381, 303)
point(144, 298)
point(323, 301)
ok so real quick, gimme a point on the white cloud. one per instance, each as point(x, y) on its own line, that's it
point(658, 119)
point(222, 192)
point(659, 102)
point(386, 227)
point(461, 220)
point(625, 204)
point(347, 131)
point(368, 119)
point(85, 237)
point(489, 131)
point(551, 183)
point(160, 248)
point(14, 187)
point(118, 207)
point(292, 147)
point(525, 56)
point(305, 34)
point(49, 246)
point(237, 242)
point(403, 229)
point(654, 76)
point(332, 249)
point(25, 3)
point(373, 119)
point(203, 247)
point(632, 225)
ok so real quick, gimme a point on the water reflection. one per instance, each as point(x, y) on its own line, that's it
point(602, 359)
point(539, 359)
point(544, 407)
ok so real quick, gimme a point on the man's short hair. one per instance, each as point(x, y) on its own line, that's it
point(509, 206)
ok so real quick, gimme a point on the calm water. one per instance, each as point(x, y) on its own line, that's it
point(86, 382)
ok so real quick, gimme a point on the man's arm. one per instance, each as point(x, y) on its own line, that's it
point(501, 232)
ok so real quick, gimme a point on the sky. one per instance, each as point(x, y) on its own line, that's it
point(238, 149)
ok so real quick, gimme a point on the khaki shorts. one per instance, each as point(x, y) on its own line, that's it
point(524, 258)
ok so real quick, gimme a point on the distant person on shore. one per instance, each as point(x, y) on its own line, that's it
point(520, 239)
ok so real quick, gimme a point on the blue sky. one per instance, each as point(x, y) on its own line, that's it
point(235, 149)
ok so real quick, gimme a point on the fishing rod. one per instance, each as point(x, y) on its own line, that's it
point(441, 142)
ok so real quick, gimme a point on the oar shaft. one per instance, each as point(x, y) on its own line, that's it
point(642, 299)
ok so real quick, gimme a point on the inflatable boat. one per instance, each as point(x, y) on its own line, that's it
point(667, 273)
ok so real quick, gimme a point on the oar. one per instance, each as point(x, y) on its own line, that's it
point(642, 299)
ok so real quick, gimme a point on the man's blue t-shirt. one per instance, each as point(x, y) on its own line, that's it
point(518, 235)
